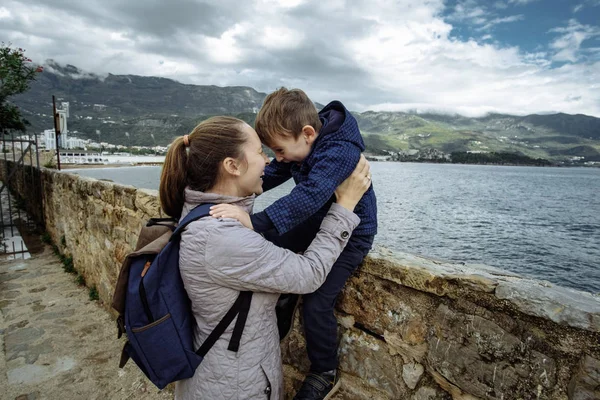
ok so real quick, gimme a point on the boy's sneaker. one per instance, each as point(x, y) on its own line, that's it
point(319, 386)
point(285, 311)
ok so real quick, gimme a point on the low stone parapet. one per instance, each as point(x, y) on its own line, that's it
point(410, 327)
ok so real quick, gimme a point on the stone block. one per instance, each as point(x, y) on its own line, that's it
point(104, 191)
point(585, 384)
point(411, 373)
point(125, 196)
point(482, 359)
point(146, 201)
point(561, 305)
point(408, 352)
point(425, 393)
point(380, 306)
point(293, 349)
point(431, 276)
point(369, 358)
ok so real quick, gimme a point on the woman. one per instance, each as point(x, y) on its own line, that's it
point(222, 161)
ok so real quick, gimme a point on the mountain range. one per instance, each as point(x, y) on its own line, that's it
point(139, 110)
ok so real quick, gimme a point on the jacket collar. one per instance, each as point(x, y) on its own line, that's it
point(195, 197)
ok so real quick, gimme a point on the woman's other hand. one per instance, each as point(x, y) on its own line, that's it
point(350, 191)
point(231, 211)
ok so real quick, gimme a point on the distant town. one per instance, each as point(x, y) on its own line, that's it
point(76, 150)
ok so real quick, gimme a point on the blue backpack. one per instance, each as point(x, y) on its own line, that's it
point(154, 309)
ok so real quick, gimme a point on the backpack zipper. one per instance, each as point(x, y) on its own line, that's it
point(143, 297)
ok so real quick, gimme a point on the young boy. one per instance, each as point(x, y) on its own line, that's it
point(319, 150)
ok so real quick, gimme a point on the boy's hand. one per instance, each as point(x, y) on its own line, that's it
point(231, 211)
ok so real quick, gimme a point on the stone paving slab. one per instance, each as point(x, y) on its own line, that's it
point(57, 344)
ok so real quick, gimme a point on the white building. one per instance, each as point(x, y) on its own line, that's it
point(49, 139)
point(74, 143)
point(81, 157)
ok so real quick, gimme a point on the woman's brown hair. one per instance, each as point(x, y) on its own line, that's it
point(198, 165)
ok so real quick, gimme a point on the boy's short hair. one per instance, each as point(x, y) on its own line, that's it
point(285, 112)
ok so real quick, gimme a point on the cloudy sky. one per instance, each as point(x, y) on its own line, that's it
point(464, 56)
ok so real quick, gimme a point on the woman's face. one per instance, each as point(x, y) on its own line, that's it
point(253, 167)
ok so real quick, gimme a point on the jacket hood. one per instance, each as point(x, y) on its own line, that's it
point(339, 124)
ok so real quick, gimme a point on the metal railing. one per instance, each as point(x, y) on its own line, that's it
point(20, 178)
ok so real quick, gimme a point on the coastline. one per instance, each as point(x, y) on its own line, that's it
point(156, 164)
point(115, 165)
point(370, 158)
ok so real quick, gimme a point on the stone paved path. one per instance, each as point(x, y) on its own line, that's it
point(56, 343)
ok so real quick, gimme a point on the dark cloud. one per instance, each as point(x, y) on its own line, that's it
point(151, 17)
point(166, 18)
point(365, 53)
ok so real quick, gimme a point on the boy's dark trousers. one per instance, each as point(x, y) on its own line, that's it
point(320, 324)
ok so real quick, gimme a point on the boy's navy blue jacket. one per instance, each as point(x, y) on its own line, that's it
point(332, 159)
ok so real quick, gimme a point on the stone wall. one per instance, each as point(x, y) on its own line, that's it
point(410, 327)
point(99, 221)
point(415, 328)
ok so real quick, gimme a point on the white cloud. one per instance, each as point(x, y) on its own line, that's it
point(5, 13)
point(503, 20)
point(521, 2)
point(226, 49)
point(567, 46)
point(382, 54)
point(280, 3)
point(586, 3)
point(466, 10)
point(280, 37)
point(470, 11)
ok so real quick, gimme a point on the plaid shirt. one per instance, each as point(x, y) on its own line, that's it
point(332, 159)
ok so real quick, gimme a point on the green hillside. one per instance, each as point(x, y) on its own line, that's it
point(535, 136)
point(154, 110)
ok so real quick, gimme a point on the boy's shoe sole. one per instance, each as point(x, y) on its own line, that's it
point(333, 390)
point(285, 310)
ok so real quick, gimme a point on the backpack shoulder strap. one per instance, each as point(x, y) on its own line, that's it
point(197, 212)
point(240, 308)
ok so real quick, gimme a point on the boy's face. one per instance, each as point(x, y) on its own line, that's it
point(287, 149)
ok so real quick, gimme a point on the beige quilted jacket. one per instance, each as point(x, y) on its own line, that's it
point(218, 259)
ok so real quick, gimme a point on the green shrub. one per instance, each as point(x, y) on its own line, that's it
point(63, 241)
point(50, 164)
point(94, 294)
point(68, 264)
point(80, 280)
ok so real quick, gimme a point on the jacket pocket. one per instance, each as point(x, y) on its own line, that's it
point(268, 389)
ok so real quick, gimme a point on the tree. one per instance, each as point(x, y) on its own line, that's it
point(16, 73)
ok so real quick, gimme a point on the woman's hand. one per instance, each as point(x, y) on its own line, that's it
point(350, 191)
point(231, 211)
